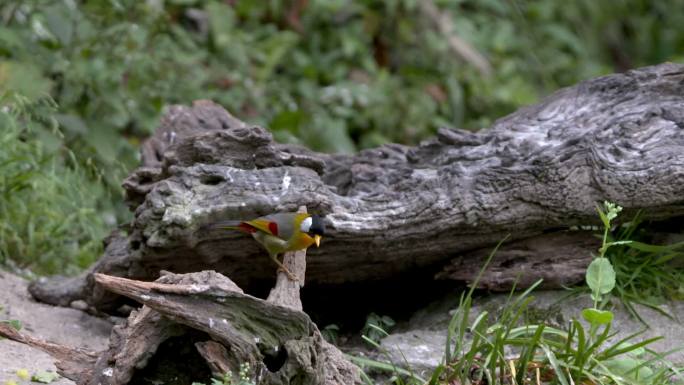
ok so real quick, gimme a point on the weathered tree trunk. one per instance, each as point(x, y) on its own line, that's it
point(395, 208)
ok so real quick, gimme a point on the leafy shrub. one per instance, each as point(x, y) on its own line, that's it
point(332, 74)
point(52, 218)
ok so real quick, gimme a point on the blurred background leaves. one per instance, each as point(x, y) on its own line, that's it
point(83, 82)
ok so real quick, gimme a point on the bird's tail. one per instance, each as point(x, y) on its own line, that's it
point(224, 225)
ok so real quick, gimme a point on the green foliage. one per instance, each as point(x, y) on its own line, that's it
point(333, 75)
point(52, 218)
point(242, 378)
point(646, 274)
point(330, 333)
point(545, 354)
point(600, 277)
point(597, 317)
point(637, 272)
point(44, 377)
point(376, 327)
point(16, 324)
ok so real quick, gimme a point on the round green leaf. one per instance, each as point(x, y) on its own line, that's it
point(601, 276)
point(597, 317)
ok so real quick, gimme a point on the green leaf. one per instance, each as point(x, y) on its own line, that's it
point(635, 353)
point(16, 324)
point(24, 79)
point(618, 243)
point(334, 138)
point(105, 143)
point(72, 124)
point(555, 365)
point(288, 120)
point(600, 276)
point(221, 22)
point(597, 317)
point(10, 40)
point(654, 248)
point(60, 23)
point(275, 49)
point(44, 377)
point(629, 367)
point(387, 321)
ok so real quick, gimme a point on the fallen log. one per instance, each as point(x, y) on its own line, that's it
point(396, 209)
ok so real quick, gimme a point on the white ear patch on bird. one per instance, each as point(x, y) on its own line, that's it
point(306, 225)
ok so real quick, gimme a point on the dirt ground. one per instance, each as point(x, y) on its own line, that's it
point(63, 325)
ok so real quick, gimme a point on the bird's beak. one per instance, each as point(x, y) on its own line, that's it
point(317, 240)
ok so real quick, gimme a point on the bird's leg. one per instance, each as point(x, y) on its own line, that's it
point(284, 269)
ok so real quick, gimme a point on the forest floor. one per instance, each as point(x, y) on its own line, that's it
point(57, 324)
point(421, 345)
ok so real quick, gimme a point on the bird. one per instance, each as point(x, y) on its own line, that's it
point(280, 232)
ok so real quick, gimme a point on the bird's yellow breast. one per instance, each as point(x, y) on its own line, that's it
point(300, 241)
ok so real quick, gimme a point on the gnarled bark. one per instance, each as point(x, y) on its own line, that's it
point(274, 337)
point(395, 208)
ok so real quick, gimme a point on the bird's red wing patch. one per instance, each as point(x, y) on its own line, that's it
point(246, 227)
point(273, 228)
point(264, 225)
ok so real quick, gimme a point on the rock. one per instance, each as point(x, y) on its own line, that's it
point(79, 305)
point(422, 349)
point(421, 343)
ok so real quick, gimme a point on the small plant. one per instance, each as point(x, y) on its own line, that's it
point(16, 324)
point(330, 333)
point(644, 273)
point(503, 350)
point(242, 378)
point(400, 375)
point(600, 276)
point(376, 326)
point(44, 377)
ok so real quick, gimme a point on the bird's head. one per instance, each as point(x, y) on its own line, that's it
point(314, 227)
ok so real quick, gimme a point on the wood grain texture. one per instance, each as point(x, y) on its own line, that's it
point(280, 344)
point(396, 208)
point(216, 356)
point(250, 330)
point(286, 291)
point(560, 259)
